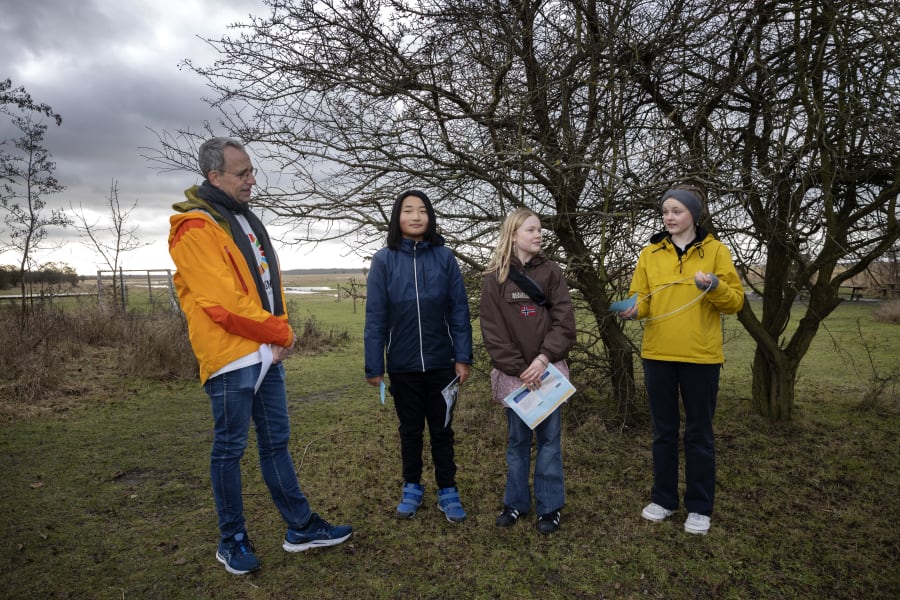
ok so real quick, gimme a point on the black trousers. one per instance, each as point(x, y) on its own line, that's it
point(417, 400)
point(698, 385)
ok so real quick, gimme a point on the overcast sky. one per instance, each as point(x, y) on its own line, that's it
point(110, 68)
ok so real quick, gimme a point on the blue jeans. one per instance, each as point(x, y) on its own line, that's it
point(549, 488)
point(698, 385)
point(233, 404)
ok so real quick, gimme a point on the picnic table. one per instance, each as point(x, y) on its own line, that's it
point(855, 291)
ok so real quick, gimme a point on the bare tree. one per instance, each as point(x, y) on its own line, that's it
point(487, 105)
point(789, 111)
point(584, 111)
point(114, 239)
point(27, 176)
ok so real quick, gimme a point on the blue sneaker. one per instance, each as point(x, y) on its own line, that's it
point(410, 501)
point(317, 533)
point(236, 553)
point(450, 505)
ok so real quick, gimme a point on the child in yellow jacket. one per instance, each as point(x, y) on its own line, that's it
point(684, 280)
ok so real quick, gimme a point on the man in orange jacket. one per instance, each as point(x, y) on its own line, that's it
point(229, 287)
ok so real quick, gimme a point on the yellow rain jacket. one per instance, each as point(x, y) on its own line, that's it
point(225, 315)
point(683, 323)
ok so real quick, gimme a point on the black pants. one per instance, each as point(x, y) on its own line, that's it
point(418, 399)
point(698, 386)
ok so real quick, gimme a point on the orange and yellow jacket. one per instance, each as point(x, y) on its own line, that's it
point(225, 315)
point(683, 323)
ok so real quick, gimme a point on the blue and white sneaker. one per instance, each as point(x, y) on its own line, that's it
point(236, 553)
point(450, 505)
point(318, 533)
point(410, 501)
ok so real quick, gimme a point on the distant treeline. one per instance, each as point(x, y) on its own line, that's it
point(48, 275)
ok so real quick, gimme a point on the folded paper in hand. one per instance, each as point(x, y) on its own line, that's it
point(450, 394)
point(533, 406)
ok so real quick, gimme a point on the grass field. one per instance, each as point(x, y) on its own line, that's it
point(105, 492)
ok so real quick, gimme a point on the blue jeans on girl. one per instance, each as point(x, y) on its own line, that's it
point(549, 488)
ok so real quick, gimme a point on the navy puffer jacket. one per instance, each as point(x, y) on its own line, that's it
point(417, 311)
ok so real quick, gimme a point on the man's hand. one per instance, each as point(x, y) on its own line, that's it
point(279, 353)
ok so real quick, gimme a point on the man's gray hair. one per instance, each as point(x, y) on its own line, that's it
point(212, 154)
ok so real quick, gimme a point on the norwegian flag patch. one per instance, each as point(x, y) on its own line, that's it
point(527, 310)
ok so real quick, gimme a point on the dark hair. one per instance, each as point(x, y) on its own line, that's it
point(211, 156)
point(395, 236)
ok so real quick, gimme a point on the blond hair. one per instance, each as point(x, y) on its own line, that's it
point(502, 256)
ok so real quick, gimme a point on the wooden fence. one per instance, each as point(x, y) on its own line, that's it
point(144, 290)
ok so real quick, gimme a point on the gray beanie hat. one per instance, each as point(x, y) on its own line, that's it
point(690, 201)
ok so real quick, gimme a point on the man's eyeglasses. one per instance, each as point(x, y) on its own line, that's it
point(243, 175)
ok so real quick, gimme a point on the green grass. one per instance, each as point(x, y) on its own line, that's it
point(106, 495)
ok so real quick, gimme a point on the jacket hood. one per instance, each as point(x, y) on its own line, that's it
point(192, 202)
point(408, 245)
point(663, 235)
point(537, 259)
point(195, 202)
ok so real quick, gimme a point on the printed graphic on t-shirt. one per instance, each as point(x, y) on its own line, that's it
point(263, 261)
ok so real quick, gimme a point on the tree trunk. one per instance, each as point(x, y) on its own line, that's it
point(776, 364)
point(773, 386)
point(621, 367)
point(619, 350)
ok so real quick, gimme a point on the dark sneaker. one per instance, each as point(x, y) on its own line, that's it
point(236, 553)
point(507, 518)
point(318, 533)
point(548, 523)
point(410, 501)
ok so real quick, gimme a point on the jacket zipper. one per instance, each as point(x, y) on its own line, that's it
point(418, 309)
point(236, 270)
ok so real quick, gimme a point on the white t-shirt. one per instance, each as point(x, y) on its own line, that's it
point(264, 354)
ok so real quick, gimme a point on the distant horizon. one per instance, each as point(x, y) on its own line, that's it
point(310, 271)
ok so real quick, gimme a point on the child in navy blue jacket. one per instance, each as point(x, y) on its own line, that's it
point(417, 315)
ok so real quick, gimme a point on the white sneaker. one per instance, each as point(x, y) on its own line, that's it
point(654, 512)
point(697, 524)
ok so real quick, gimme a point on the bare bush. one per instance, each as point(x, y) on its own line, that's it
point(313, 338)
point(887, 312)
point(159, 348)
point(31, 367)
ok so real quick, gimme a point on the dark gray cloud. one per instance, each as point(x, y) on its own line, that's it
point(111, 69)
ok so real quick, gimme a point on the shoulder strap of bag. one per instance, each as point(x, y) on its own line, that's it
point(530, 287)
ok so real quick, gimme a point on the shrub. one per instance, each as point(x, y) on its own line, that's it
point(888, 312)
point(313, 338)
point(159, 348)
point(32, 368)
